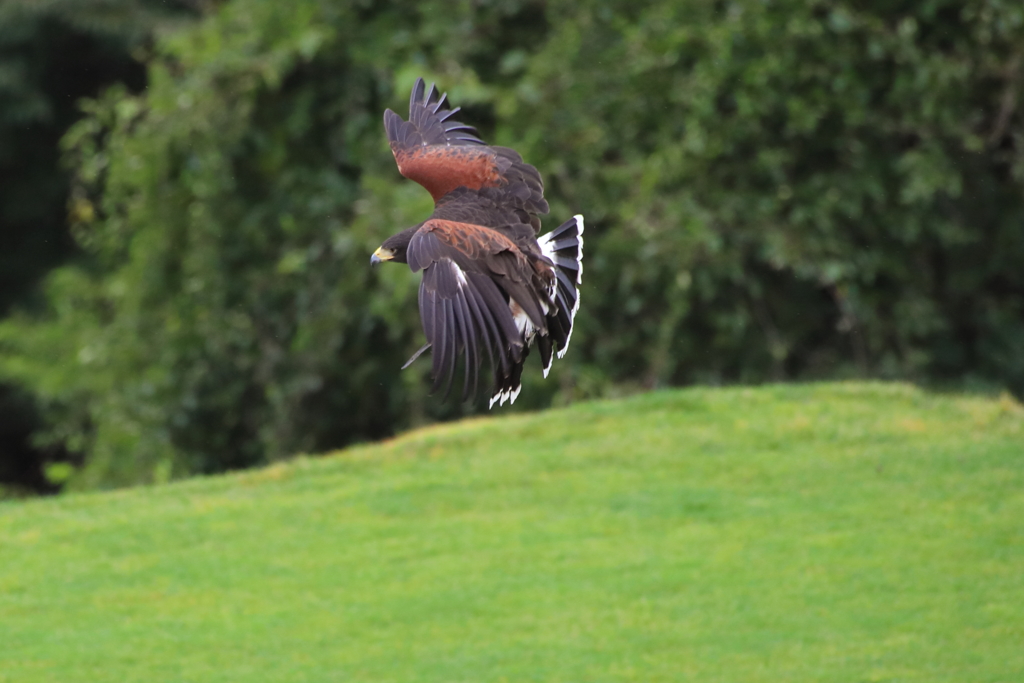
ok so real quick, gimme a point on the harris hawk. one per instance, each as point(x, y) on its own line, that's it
point(491, 286)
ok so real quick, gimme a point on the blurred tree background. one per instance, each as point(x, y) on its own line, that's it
point(773, 191)
point(52, 54)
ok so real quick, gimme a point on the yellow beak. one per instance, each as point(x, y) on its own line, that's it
point(381, 254)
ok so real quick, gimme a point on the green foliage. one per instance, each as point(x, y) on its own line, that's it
point(772, 190)
point(789, 188)
point(52, 53)
point(835, 533)
point(228, 315)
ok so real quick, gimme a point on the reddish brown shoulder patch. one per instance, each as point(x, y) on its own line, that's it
point(442, 168)
point(474, 241)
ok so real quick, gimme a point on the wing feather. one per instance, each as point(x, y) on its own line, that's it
point(463, 313)
point(469, 341)
point(469, 274)
point(452, 352)
point(487, 329)
point(443, 154)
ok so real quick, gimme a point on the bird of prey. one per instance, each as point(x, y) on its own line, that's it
point(490, 285)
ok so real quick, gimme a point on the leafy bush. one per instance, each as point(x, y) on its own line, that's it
point(228, 314)
point(790, 189)
point(51, 54)
point(773, 190)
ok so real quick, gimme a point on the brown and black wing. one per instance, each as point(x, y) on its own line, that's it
point(470, 274)
point(442, 155)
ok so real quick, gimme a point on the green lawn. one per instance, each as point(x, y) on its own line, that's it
point(834, 532)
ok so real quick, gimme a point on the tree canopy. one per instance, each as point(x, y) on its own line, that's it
point(783, 190)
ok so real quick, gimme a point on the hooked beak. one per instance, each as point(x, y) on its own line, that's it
point(381, 254)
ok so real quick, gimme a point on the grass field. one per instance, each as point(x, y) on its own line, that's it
point(835, 532)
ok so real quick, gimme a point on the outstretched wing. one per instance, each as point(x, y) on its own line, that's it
point(430, 122)
point(470, 273)
point(442, 155)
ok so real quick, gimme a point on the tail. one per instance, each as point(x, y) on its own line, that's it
point(563, 246)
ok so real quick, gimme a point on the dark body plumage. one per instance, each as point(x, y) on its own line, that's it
point(490, 288)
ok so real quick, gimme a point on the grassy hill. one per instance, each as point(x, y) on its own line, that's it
point(835, 532)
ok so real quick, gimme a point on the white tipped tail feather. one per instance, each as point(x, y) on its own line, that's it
point(563, 247)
